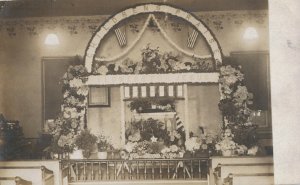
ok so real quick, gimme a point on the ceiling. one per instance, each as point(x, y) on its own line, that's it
point(43, 8)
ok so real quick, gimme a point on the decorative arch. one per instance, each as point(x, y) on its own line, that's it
point(151, 8)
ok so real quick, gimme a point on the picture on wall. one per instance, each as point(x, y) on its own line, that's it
point(99, 96)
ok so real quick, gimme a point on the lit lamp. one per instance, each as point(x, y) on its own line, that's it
point(250, 34)
point(52, 39)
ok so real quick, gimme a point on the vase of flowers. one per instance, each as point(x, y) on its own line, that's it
point(226, 145)
point(103, 146)
point(86, 141)
point(227, 153)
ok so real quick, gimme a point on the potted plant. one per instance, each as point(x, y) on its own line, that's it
point(103, 146)
point(226, 145)
point(86, 141)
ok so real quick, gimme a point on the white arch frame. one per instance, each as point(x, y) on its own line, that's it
point(150, 8)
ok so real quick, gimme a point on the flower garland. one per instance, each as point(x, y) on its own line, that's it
point(153, 62)
point(142, 105)
point(165, 35)
point(71, 120)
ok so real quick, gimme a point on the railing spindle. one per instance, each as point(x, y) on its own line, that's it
point(99, 171)
point(168, 169)
point(145, 170)
point(176, 169)
point(122, 168)
point(152, 164)
point(84, 171)
point(115, 170)
point(76, 173)
point(192, 169)
point(130, 172)
point(92, 168)
point(107, 172)
point(137, 170)
point(160, 170)
point(199, 168)
point(184, 169)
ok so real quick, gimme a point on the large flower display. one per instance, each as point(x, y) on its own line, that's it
point(71, 119)
point(234, 104)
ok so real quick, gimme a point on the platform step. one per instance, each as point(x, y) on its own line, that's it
point(156, 182)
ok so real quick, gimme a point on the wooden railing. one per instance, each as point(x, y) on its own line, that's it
point(32, 173)
point(17, 180)
point(137, 169)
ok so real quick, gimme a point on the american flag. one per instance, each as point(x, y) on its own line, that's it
point(192, 39)
point(179, 126)
point(120, 37)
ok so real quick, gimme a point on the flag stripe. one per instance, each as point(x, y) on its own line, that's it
point(120, 37)
point(192, 38)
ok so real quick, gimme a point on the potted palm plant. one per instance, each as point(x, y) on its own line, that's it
point(86, 141)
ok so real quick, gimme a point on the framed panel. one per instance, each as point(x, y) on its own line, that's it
point(127, 92)
point(161, 91)
point(135, 91)
point(143, 91)
point(256, 68)
point(171, 90)
point(152, 91)
point(53, 69)
point(179, 91)
point(99, 96)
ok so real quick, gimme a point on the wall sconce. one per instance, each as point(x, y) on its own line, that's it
point(250, 34)
point(52, 40)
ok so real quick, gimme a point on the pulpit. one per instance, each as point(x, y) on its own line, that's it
point(222, 167)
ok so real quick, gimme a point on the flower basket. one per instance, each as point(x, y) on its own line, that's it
point(227, 153)
point(102, 155)
point(76, 154)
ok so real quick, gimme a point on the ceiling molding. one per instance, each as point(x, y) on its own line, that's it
point(42, 8)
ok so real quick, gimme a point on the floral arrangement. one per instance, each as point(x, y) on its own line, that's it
point(150, 130)
point(152, 105)
point(104, 143)
point(199, 145)
point(86, 141)
point(234, 104)
point(148, 149)
point(227, 144)
point(12, 142)
point(71, 120)
point(151, 139)
point(234, 95)
point(153, 61)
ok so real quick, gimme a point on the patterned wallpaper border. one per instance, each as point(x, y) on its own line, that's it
point(217, 21)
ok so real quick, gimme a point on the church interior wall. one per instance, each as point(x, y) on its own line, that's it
point(22, 49)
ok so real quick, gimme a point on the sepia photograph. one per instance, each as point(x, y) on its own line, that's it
point(136, 92)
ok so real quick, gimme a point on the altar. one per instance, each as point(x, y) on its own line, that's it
point(148, 105)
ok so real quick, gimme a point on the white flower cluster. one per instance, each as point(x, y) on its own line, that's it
point(193, 143)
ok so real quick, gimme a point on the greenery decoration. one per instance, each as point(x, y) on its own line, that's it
point(12, 142)
point(152, 105)
point(104, 144)
point(86, 141)
point(154, 61)
point(234, 104)
point(71, 119)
